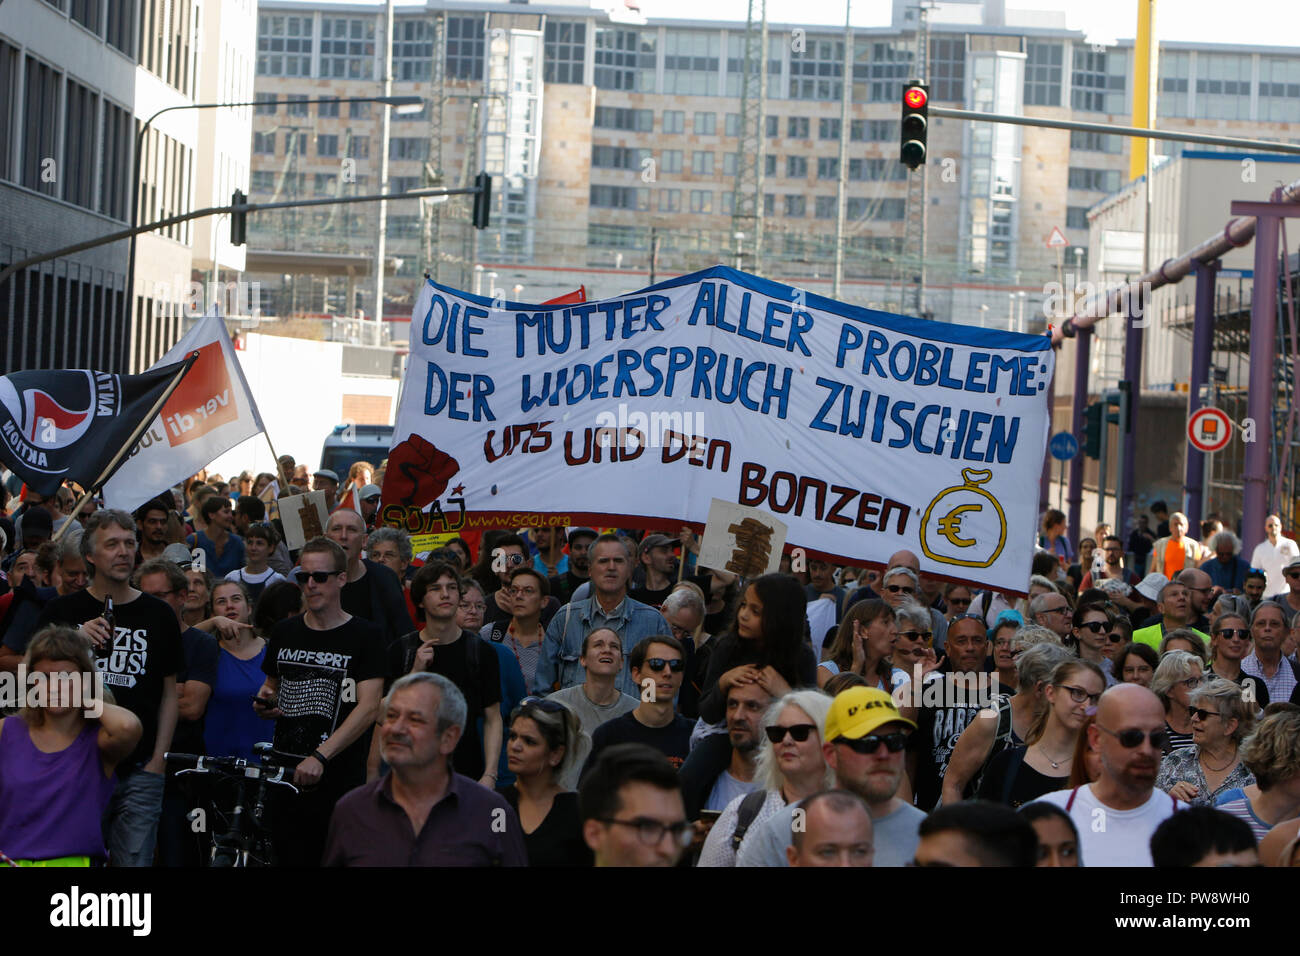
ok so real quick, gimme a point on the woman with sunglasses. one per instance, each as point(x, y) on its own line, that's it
point(1179, 674)
point(1229, 643)
point(1136, 663)
point(789, 768)
point(232, 726)
point(1221, 720)
point(1090, 631)
point(957, 598)
point(544, 740)
point(864, 644)
point(1006, 648)
point(914, 647)
point(1272, 754)
point(1021, 774)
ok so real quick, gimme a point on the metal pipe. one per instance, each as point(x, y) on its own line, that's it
point(1097, 306)
point(1130, 402)
point(1202, 345)
point(1074, 498)
point(1261, 394)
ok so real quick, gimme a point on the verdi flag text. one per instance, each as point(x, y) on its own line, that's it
point(68, 425)
point(866, 432)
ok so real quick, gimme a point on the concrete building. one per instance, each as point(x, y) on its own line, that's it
point(78, 78)
point(636, 128)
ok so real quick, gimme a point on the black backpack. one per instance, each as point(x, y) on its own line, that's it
point(745, 815)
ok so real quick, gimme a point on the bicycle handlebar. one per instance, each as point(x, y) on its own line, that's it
point(269, 772)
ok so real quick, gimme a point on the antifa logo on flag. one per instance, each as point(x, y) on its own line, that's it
point(57, 413)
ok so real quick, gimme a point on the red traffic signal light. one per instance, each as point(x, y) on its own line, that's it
point(915, 97)
point(914, 125)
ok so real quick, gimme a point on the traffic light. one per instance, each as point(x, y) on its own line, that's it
point(1092, 430)
point(238, 220)
point(916, 123)
point(482, 200)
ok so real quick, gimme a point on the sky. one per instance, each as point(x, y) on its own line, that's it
point(1253, 22)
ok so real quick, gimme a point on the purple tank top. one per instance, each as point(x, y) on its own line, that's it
point(51, 804)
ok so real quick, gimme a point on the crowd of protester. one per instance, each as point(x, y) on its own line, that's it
point(556, 696)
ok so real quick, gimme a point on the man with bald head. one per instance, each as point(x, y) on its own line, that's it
point(906, 559)
point(836, 831)
point(372, 592)
point(1117, 815)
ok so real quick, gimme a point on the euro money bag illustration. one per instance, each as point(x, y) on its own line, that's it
point(965, 525)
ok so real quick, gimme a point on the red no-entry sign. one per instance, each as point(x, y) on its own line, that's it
point(1209, 429)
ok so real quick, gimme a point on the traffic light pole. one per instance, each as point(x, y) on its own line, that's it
point(1074, 498)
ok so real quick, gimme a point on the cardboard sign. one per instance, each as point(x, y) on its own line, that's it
point(740, 539)
point(304, 517)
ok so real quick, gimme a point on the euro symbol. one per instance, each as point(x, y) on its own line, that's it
point(950, 525)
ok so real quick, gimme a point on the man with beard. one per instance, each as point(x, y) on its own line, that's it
point(704, 791)
point(946, 704)
point(1117, 815)
point(863, 743)
point(151, 518)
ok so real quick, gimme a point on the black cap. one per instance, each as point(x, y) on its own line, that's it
point(581, 533)
point(36, 521)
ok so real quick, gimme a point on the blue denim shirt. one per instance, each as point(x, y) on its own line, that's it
point(1230, 577)
point(562, 648)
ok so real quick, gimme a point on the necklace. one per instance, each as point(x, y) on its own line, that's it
point(1231, 761)
point(1047, 757)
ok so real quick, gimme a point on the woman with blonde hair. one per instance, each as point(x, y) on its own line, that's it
point(1221, 720)
point(58, 763)
point(1179, 673)
point(789, 768)
point(1272, 754)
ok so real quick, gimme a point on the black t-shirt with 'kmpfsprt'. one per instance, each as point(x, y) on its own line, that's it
point(146, 649)
point(320, 673)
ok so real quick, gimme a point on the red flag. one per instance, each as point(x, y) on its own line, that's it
point(569, 298)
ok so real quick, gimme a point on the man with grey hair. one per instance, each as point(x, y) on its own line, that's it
point(137, 645)
point(391, 547)
point(1227, 569)
point(684, 611)
point(421, 812)
point(1052, 611)
point(1037, 652)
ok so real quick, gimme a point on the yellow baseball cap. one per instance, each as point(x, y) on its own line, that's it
point(858, 711)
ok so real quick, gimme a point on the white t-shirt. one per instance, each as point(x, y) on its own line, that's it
point(1114, 837)
point(821, 618)
point(267, 577)
point(1271, 559)
point(726, 789)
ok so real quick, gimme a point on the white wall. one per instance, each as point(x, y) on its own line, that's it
point(298, 385)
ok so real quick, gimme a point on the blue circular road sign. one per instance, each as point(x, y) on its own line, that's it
point(1064, 446)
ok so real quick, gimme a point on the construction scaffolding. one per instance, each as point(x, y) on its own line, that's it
point(747, 192)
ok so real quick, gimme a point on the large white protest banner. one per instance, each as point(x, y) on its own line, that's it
point(866, 432)
point(210, 412)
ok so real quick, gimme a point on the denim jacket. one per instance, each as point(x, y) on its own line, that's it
point(562, 648)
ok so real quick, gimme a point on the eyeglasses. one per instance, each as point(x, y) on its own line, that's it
point(1190, 588)
point(320, 577)
point(916, 635)
point(959, 602)
point(659, 663)
point(651, 832)
point(1128, 739)
point(680, 633)
point(1063, 609)
point(1234, 633)
point(1200, 713)
point(1191, 682)
point(1095, 626)
point(473, 606)
point(1078, 694)
point(522, 592)
point(894, 743)
point(776, 733)
point(896, 588)
point(1293, 574)
point(514, 560)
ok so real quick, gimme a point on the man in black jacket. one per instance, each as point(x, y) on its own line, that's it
point(372, 592)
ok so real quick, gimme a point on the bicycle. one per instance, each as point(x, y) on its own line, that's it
point(246, 839)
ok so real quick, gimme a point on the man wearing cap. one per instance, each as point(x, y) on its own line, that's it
point(1175, 611)
point(863, 743)
point(370, 496)
point(1272, 555)
point(328, 482)
point(659, 567)
point(1290, 599)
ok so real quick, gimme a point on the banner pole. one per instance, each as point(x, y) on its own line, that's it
point(130, 443)
point(279, 466)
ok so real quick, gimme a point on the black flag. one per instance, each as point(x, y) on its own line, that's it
point(69, 425)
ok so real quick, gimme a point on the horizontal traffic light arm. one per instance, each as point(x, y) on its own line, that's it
point(121, 234)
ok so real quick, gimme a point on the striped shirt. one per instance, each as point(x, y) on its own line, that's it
point(1237, 803)
point(1281, 685)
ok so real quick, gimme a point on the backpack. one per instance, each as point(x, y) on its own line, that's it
point(745, 815)
point(1002, 739)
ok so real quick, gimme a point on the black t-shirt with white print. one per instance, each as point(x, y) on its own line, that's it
point(319, 673)
point(146, 649)
point(944, 713)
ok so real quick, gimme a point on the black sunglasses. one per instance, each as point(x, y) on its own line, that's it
point(895, 588)
point(320, 577)
point(799, 732)
point(916, 635)
point(1202, 714)
point(1128, 739)
point(894, 743)
point(1116, 637)
point(659, 663)
point(1095, 626)
point(1234, 633)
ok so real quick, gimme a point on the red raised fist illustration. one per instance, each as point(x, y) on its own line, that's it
point(417, 472)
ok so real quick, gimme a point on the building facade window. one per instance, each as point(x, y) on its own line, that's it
point(817, 72)
point(358, 110)
point(828, 128)
point(948, 69)
point(670, 161)
point(702, 163)
point(796, 206)
point(1091, 142)
point(797, 127)
point(284, 45)
point(296, 104)
point(327, 145)
point(115, 190)
point(466, 48)
point(733, 124)
point(701, 200)
point(619, 118)
point(625, 59)
point(1222, 86)
point(674, 121)
point(619, 197)
point(328, 110)
point(691, 60)
point(1279, 89)
point(412, 49)
point(796, 167)
point(828, 167)
point(359, 147)
point(408, 147)
point(267, 104)
point(347, 47)
point(888, 69)
point(1098, 81)
point(618, 157)
point(1076, 217)
point(566, 51)
point(776, 43)
point(1044, 73)
point(264, 144)
point(670, 200)
point(825, 207)
point(1095, 180)
point(706, 124)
